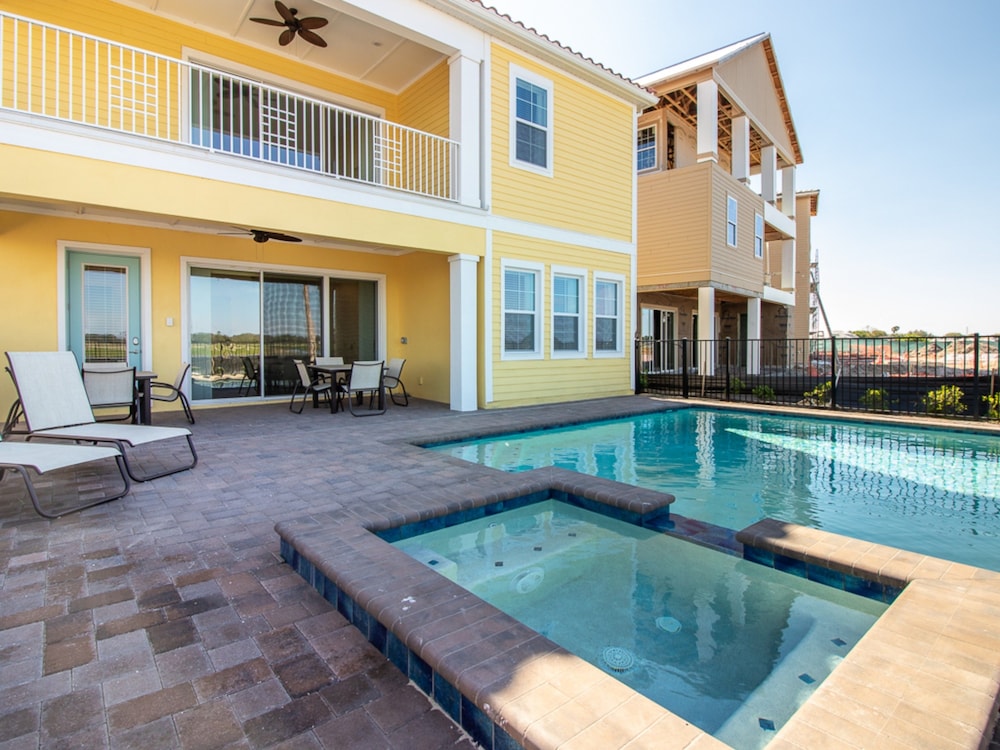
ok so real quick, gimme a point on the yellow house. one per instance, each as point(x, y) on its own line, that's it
point(720, 251)
point(236, 185)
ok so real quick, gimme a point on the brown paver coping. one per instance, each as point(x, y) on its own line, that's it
point(927, 673)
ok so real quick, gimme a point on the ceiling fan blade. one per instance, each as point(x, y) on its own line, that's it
point(286, 37)
point(312, 37)
point(268, 21)
point(313, 22)
point(283, 237)
point(284, 12)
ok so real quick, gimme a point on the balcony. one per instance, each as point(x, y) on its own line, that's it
point(52, 72)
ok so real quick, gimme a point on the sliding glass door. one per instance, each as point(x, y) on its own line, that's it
point(248, 327)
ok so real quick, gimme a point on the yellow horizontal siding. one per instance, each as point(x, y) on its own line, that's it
point(518, 382)
point(424, 104)
point(591, 186)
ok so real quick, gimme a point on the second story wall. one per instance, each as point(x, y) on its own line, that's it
point(589, 186)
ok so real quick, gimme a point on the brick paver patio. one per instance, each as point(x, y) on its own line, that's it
point(167, 619)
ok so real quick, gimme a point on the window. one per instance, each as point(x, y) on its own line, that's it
point(531, 121)
point(608, 315)
point(567, 312)
point(645, 148)
point(522, 311)
point(758, 236)
point(731, 214)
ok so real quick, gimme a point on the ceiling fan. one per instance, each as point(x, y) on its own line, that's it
point(262, 235)
point(295, 25)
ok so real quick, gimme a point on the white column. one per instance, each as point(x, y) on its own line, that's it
point(708, 121)
point(741, 148)
point(788, 264)
point(753, 335)
point(788, 191)
point(769, 174)
point(706, 330)
point(464, 314)
point(465, 114)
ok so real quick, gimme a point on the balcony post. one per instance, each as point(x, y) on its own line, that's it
point(788, 264)
point(788, 191)
point(706, 330)
point(465, 114)
point(741, 148)
point(753, 335)
point(708, 121)
point(769, 174)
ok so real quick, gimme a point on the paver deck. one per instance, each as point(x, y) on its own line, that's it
point(167, 618)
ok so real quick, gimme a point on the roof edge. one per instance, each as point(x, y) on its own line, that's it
point(503, 27)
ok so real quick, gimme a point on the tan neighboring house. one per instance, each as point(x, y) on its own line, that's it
point(721, 254)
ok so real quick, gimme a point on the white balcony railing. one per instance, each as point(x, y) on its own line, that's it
point(54, 72)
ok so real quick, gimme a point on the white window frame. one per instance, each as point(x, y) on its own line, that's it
point(649, 126)
point(732, 221)
point(580, 276)
point(538, 270)
point(519, 73)
point(758, 235)
point(619, 281)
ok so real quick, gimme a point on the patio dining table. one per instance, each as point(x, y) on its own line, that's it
point(332, 371)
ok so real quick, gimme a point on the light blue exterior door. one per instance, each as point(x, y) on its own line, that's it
point(104, 307)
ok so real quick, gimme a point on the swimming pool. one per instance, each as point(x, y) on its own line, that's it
point(931, 491)
point(731, 646)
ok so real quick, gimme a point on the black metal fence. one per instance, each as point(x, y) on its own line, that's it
point(953, 376)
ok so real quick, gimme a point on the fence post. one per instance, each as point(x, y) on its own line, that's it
point(976, 412)
point(637, 363)
point(726, 358)
point(685, 384)
point(833, 372)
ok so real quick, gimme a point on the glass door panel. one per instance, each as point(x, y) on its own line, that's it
point(104, 308)
point(293, 314)
point(225, 334)
point(353, 319)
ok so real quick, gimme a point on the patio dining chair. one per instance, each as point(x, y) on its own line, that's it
point(251, 377)
point(55, 406)
point(41, 457)
point(170, 392)
point(392, 382)
point(111, 386)
point(316, 387)
point(365, 378)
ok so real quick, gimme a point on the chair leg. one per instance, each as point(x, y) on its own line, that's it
point(106, 499)
point(185, 404)
point(406, 396)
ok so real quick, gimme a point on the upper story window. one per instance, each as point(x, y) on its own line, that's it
point(758, 236)
point(732, 211)
point(531, 121)
point(567, 311)
point(608, 314)
point(522, 319)
point(645, 148)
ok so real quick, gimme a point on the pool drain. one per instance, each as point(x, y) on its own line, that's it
point(618, 659)
point(669, 624)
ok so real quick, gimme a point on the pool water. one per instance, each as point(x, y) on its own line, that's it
point(731, 646)
point(930, 491)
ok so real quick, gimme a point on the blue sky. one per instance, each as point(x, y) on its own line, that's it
point(897, 109)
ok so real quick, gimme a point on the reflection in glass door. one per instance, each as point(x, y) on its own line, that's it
point(353, 319)
point(659, 339)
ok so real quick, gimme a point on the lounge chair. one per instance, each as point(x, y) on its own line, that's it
point(20, 457)
point(55, 406)
point(365, 377)
point(170, 392)
point(391, 381)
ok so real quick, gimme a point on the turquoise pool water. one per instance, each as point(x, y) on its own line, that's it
point(731, 646)
point(930, 491)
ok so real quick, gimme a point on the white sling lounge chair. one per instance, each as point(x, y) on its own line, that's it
point(20, 457)
point(56, 407)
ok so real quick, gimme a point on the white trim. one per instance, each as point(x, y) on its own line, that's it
point(486, 340)
point(580, 274)
point(538, 269)
point(145, 291)
point(517, 72)
point(619, 280)
point(758, 234)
